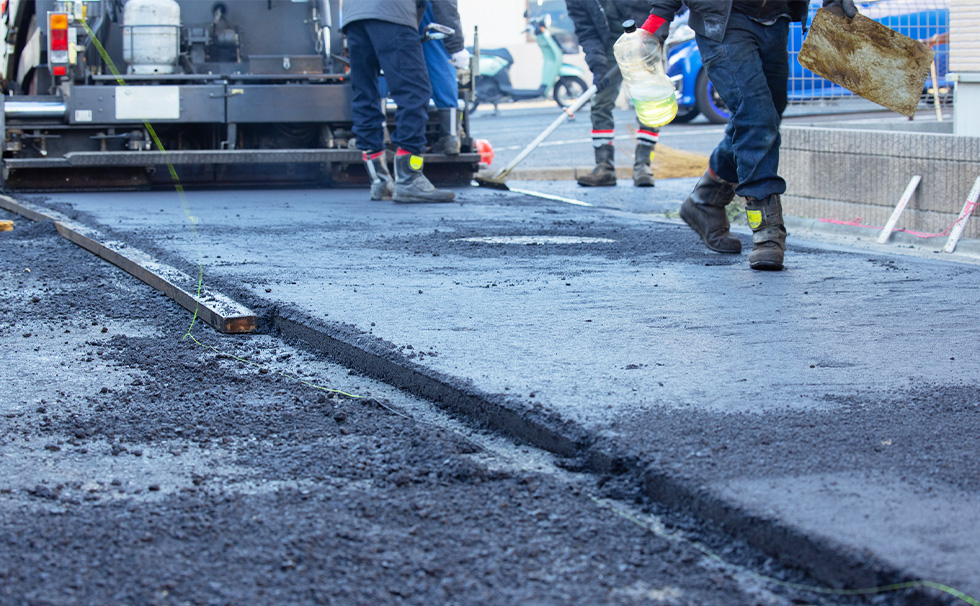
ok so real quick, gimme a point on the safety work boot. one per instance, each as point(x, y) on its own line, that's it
point(382, 185)
point(765, 217)
point(704, 211)
point(604, 173)
point(411, 185)
point(642, 175)
point(448, 141)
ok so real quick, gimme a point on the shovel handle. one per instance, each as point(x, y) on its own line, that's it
point(582, 100)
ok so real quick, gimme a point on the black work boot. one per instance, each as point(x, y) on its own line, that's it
point(642, 175)
point(765, 217)
point(382, 185)
point(411, 185)
point(704, 211)
point(604, 173)
point(448, 141)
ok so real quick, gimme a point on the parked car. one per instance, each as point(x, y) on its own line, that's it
point(926, 20)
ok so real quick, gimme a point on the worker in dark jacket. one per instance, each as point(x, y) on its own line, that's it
point(743, 46)
point(384, 35)
point(598, 24)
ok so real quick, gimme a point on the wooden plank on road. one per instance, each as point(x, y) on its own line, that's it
point(215, 309)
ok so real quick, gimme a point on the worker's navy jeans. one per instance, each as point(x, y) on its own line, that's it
point(397, 49)
point(749, 69)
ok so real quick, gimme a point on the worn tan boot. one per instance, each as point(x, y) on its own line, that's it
point(704, 212)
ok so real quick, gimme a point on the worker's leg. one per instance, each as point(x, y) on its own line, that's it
point(445, 91)
point(745, 70)
point(601, 114)
point(445, 96)
point(399, 52)
point(366, 101)
point(737, 67)
point(646, 141)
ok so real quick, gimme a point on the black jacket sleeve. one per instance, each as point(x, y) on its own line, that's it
point(446, 12)
point(589, 36)
point(666, 9)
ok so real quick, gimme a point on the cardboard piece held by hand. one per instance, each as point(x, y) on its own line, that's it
point(868, 59)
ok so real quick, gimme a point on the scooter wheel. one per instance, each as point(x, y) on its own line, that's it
point(568, 89)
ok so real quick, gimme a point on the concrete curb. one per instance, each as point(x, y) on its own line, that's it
point(899, 242)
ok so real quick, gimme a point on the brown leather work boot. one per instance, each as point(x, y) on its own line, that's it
point(704, 212)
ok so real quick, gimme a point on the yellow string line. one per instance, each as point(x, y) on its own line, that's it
point(280, 373)
point(810, 588)
point(192, 220)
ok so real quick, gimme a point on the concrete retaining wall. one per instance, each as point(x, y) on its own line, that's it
point(845, 174)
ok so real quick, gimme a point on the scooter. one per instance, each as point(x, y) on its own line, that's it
point(561, 81)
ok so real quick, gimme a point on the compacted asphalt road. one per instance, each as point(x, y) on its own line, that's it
point(827, 414)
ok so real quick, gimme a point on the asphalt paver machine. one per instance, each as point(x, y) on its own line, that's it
point(116, 93)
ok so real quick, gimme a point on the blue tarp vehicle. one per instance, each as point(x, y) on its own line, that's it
point(926, 20)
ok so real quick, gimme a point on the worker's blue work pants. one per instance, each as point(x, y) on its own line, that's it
point(442, 73)
point(749, 69)
point(378, 45)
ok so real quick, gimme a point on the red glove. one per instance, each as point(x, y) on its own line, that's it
point(657, 26)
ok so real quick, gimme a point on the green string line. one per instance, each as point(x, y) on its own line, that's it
point(192, 220)
point(774, 581)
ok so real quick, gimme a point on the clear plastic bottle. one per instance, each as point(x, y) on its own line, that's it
point(641, 62)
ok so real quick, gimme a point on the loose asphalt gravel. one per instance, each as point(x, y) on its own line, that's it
point(143, 467)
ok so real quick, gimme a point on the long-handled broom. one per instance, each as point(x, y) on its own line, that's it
point(497, 180)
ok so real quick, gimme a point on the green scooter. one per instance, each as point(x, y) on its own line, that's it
point(561, 81)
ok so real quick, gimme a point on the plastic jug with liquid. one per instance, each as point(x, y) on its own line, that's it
point(641, 62)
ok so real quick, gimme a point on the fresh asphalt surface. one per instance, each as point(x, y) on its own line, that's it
point(837, 400)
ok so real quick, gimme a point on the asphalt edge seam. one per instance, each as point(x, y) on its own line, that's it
point(822, 558)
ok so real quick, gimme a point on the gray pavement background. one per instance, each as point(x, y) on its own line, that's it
point(838, 399)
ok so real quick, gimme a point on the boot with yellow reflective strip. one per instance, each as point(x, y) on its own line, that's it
point(765, 217)
point(411, 185)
